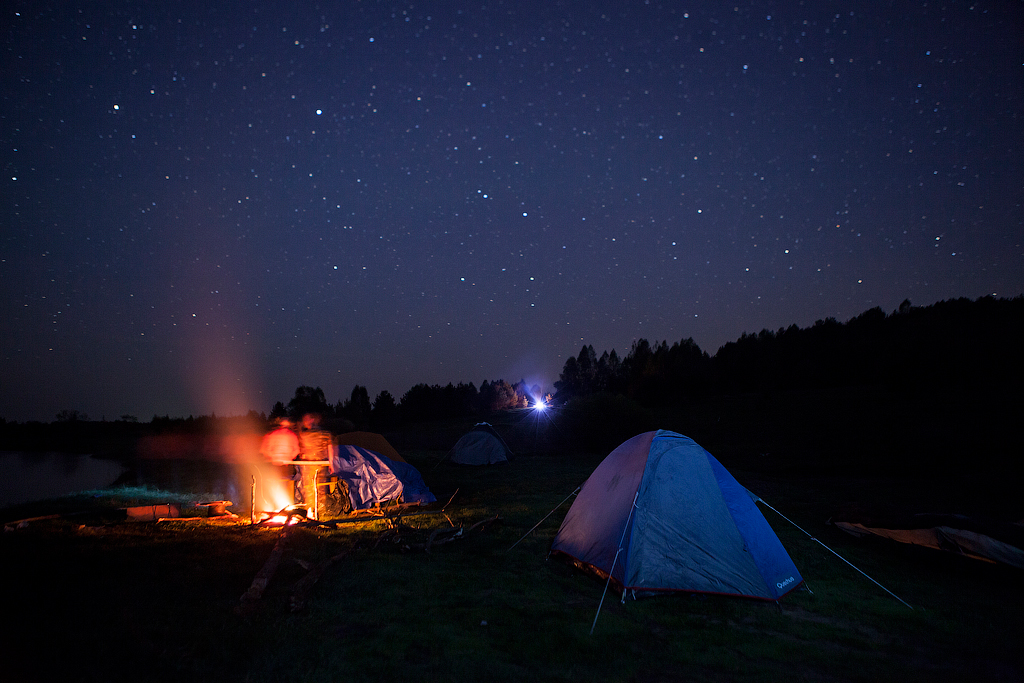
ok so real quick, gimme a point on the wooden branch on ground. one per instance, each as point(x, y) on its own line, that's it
point(450, 500)
point(484, 523)
point(438, 537)
point(391, 533)
point(450, 535)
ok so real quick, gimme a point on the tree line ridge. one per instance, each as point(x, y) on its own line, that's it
point(958, 347)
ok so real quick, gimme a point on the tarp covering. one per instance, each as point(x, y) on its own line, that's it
point(374, 479)
point(978, 539)
point(692, 526)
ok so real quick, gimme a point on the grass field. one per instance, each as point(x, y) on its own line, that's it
point(93, 600)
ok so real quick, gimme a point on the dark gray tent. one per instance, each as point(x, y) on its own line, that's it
point(482, 445)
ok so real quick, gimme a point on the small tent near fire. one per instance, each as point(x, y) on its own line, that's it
point(373, 479)
point(661, 514)
point(371, 442)
point(481, 445)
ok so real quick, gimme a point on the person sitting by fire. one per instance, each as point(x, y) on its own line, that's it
point(281, 445)
point(314, 444)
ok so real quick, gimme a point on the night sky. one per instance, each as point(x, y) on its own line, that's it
point(208, 204)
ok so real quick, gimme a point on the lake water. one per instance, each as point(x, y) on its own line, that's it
point(199, 466)
point(26, 477)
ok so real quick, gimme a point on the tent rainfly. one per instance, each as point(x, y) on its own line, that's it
point(480, 446)
point(661, 514)
point(371, 441)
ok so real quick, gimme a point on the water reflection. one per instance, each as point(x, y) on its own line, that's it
point(27, 477)
point(239, 483)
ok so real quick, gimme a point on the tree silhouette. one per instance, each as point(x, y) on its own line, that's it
point(357, 408)
point(384, 411)
point(568, 385)
point(498, 395)
point(587, 362)
point(308, 400)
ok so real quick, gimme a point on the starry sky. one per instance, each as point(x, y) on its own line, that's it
point(208, 204)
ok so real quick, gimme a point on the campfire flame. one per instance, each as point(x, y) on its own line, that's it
point(272, 493)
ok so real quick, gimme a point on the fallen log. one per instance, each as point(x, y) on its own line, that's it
point(259, 584)
point(302, 588)
point(231, 518)
point(152, 513)
point(23, 523)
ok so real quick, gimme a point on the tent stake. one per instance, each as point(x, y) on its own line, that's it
point(546, 516)
point(614, 560)
point(833, 552)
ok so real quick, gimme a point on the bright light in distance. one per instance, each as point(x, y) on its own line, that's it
point(540, 405)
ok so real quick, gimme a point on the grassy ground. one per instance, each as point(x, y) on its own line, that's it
point(90, 599)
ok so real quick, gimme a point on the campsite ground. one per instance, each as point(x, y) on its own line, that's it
point(91, 599)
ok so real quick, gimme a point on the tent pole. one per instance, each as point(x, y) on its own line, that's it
point(614, 560)
point(546, 516)
point(604, 592)
point(833, 552)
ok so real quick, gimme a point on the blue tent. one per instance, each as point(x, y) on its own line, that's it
point(660, 513)
point(374, 479)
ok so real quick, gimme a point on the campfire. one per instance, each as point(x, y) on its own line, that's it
point(273, 500)
point(286, 516)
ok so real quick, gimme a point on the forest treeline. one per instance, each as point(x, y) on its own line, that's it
point(958, 348)
point(952, 345)
point(956, 345)
point(421, 402)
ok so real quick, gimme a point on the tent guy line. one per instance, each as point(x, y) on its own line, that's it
point(761, 500)
point(545, 517)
